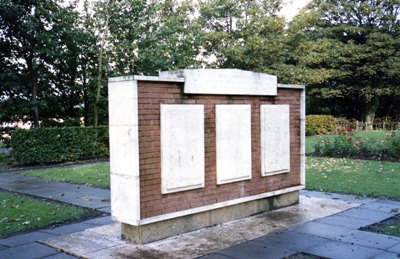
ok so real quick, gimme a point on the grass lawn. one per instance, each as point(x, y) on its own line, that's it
point(392, 230)
point(97, 174)
point(312, 140)
point(19, 213)
point(360, 177)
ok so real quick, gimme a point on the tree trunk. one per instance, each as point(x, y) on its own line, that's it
point(370, 109)
point(100, 68)
point(35, 107)
point(33, 81)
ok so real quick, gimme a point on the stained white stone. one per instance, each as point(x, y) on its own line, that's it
point(224, 81)
point(182, 147)
point(125, 198)
point(122, 102)
point(275, 139)
point(233, 143)
point(124, 150)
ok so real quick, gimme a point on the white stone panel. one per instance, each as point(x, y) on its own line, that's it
point(125, 195)
point(123, 102)
point(225, 81)
point(275, 139)
point(124, 150)
point(182, 147)
point(233, 143)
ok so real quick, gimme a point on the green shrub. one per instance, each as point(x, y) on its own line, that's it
point(347, 145)
point(56, 145)
point(320, 124)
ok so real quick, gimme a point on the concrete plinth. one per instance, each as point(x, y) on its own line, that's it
point(167, 228)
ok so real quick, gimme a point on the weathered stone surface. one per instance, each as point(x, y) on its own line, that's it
point(28, 251)
point(366, 214)
point(322, 230)
point(370, 239)
point(175, 226)
point(204, 241)
point(347, 222)
point(386, 255)
point(292, 240)
point(182, 147)
point(233, 143)
point(340, 250)
point(251, 249)
point(275, 139)
point(225, 81)
point(24, 238)
point(67, 229)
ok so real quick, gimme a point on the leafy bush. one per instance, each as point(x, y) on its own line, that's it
point(320, 124)
point(346, 145)
point(56, 145)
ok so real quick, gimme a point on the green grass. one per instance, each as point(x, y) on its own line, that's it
point(312, 140)
point(97, 175)
point(360, 177)
point(19, 213)
point(392, 230)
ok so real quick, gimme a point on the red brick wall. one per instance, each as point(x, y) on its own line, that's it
point(153, 203)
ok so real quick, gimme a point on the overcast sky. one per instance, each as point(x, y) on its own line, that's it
point(289, 10)
point(292, 7)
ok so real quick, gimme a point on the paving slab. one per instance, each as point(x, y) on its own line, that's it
point(340, 250)
point(196, 243)
point(386, 255)
point(392, 202)
point(321, 230)
point(395, 249)
point(367, 214)
point(251, 249)
point(28, 251)
point(382, 206)
point(338, 196)
point(76, 194)
point(215, 256)
point(99, 221)
point(67, 229)
point(291, 240)
point(343, 221)
point(370, 239)
point(61, 256)
point(24, 238)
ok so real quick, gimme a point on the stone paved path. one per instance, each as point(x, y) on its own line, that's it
point(25, 245)
point(76, 194)
point(325, 225)
point(335, 236)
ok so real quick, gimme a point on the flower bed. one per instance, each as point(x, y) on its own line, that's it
point(348, 145)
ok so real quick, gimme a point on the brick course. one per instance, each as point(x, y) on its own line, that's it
point(153, 203)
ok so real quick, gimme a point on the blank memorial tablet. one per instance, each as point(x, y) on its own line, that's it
point(233, 140)
point(275, 139)
point(182, 147)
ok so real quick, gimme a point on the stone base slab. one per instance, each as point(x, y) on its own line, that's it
point(160, 230)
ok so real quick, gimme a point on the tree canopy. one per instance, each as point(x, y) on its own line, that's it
point(55, 57)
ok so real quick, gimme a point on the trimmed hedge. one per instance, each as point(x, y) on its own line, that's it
point(57, 145)
point(320, 124)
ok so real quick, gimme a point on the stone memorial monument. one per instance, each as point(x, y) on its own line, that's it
point(197, 147)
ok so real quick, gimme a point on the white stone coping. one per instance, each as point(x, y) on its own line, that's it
point(182, 80)
point(145, 78)
point(213, 206)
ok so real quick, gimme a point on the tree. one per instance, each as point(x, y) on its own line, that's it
point(42, 61)
point(350, 51)
point(243, 34)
